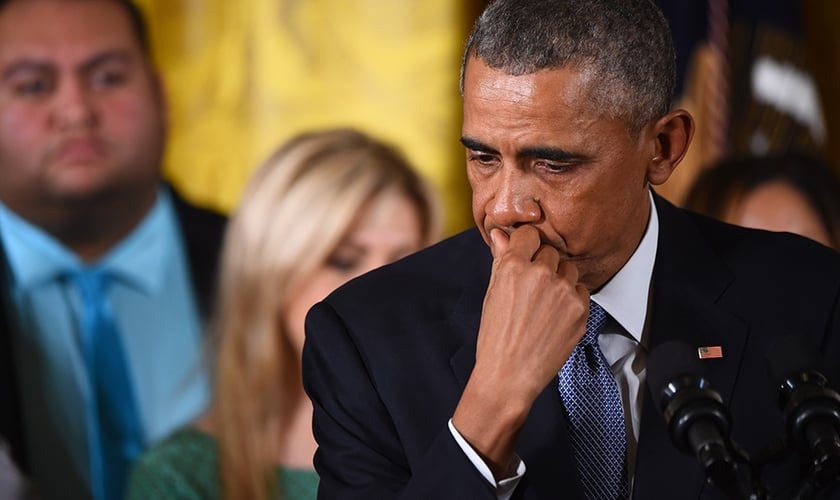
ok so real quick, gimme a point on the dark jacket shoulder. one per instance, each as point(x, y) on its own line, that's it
point(203, 231)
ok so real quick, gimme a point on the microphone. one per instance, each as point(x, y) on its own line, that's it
point(698, 422)
point(810, 407)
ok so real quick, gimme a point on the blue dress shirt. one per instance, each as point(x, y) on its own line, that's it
point(161, 330)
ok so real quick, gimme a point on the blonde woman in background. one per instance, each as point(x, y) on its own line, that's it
point(326, 207)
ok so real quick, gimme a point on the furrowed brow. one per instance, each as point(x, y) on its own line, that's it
point(475, 145)
point(551, 154)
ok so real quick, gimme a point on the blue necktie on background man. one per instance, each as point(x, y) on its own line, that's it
point(115, 435)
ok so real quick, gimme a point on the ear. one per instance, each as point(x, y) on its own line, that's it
point(673, 133)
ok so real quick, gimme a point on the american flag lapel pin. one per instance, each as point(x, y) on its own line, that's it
point(710, 352)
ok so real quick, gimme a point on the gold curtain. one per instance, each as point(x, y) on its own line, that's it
point(244, 75)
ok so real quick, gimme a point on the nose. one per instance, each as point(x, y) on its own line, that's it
point(514, 202)
point(73, 106)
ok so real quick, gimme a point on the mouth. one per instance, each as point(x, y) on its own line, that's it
point(79, 151)
point(558, 242)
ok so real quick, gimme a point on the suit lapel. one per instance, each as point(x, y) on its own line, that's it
point(688, 280)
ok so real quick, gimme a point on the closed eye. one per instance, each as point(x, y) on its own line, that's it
point(554, 167)
point(482, 159)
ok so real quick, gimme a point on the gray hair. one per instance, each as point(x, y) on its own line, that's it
point(625, 46)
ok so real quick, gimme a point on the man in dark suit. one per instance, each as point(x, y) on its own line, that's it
point(461, 371)
point(82, 132)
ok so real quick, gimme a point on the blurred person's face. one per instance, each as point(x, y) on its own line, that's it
point(538, 154)
point(387, 229)
point(81, 111)
point(778, 206)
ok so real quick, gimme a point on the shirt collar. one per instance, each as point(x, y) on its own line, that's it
point(140, 259)
point(625, 296)
point(35, 257)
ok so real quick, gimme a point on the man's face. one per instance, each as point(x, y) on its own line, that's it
point(81, 113)
point(537, 154)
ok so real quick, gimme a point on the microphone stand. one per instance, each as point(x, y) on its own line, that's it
point(812, 417)
point(732, 472)
point(823, 471)
point(824, 468)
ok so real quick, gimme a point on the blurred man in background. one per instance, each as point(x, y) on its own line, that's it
point(106, 270)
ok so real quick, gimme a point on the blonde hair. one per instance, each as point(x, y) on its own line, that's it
point(297, 207)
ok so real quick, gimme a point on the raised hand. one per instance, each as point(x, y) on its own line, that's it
point(533, 316)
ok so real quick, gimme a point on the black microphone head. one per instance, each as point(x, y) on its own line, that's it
point(811, 408)
point(695, 416)
point(793, 366)
point(668, 362)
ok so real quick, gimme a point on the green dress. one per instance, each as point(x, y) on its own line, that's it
point(185, 466)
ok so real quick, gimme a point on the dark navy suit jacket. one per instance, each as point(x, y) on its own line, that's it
point(388, 355)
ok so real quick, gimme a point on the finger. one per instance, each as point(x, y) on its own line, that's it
point(548, 256)
point(524, 242)
point(569, 271)
point(583, 293)
point(499, 240)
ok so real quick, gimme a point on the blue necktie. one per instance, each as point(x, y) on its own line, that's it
point(114, 434)
point(595, 416)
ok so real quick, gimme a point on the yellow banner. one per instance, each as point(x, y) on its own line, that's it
point(244, 75)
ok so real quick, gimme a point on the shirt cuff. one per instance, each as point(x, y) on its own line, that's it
point(504, 488)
